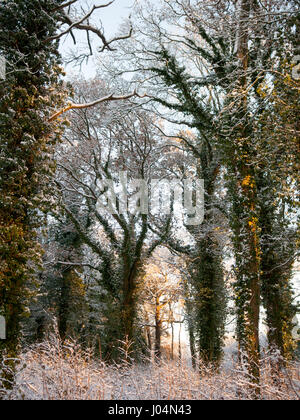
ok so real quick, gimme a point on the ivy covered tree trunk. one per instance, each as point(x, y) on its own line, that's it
point(247, 284)
point(208, 293)
point(247, 250)
point(121, 326)
point(129, 299)
point(64, 304)
point(277, 298)
point(71, 304)
point(245, 211)
point(69, 273)
point(244, 216)
point(210, 304)
point(278, 185)
point(278, 243)
point(207, 275)
point(26, 146)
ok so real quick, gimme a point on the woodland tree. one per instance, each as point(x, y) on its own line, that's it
point(102, 149)
point(159, 293)
point(29, 92)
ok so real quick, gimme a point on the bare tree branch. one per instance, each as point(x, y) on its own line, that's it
point(77, 23)
point(108, 98)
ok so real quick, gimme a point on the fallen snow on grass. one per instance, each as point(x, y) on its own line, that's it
point(51, 371)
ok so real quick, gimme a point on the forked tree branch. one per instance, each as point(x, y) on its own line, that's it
point(83, 24)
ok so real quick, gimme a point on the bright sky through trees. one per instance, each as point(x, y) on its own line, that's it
point(112, 17)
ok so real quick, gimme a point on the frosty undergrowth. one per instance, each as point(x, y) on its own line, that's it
point(50, 371)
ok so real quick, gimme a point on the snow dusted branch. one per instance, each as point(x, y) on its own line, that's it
point(84, 24)
point(73, 25)
point(91, 104)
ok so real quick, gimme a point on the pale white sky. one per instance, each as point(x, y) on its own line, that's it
point(112, 16)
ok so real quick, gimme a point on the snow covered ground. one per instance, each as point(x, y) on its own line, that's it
point(50, 372)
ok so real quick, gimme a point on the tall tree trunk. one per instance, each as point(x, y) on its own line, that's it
point(172, 340)
point(210, 303)
point(26, 152)
point(179, 343)
point(148, 333)
point(129, 300)
point(192, 347)
point(64, 303)
point(246, 217)
point(208, 311)
point(276, 268)
point(158, 328)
